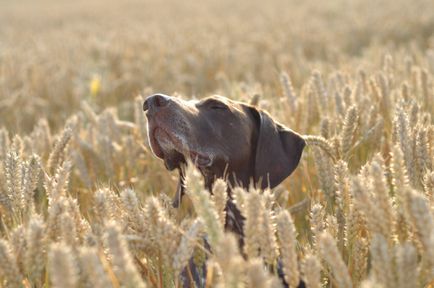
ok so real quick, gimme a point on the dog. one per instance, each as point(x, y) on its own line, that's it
point(224, 139)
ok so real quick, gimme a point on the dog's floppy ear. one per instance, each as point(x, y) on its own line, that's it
point(278, 151)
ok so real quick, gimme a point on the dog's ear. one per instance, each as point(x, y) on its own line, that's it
point(278, 151)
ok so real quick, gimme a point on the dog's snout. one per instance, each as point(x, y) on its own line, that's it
point(156, 101)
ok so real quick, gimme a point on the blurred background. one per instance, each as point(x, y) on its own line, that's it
point(56, 54)
point(356, 78)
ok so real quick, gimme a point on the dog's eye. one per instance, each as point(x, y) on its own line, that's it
point(216, 105)
point(219, 106)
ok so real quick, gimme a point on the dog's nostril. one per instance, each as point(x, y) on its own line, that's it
point(156, 101)
point(161, 100)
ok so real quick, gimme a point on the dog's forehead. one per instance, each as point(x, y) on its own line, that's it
point(194, 101)
point(238, 108)
point(237, 105)
point(220, 98)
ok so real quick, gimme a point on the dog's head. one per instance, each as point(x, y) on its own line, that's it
point(224, 138)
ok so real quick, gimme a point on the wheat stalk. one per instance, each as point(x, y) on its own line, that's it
point(287, 237)
point(121, 259)
point(329, 252)
point(62, 268)
point(8, 266)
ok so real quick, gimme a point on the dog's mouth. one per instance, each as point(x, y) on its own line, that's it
point(172, 149)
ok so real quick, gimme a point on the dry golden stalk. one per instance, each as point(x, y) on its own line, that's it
point(355, 227)
point(89, 112)
point(18, 244)
point(13, 172)
point(414, 113)
point(56, 185)
point(32, 172)
point(35, 253)
point(168, 236)
point(317, 225)
point(186, 246)
point(415, 80)
point(287, 239)
point(347, 135)
point(82, 170)
point(268, 238)
point(253, 226)
point(364, 80)
point(405, 91)
point(399, 174)
point(17, 145)
point(8, 266)
point(153, 212)
point(58, 153)
point(54, 212)
point(239, 195)
point(121, 259)
point(254, 100)
point(256, 276)
point(406, 266)
point(370, 283)
point(404, 137)
point(419, 213)
point(220, 198)
point(425, 88)
point(321, 142)
point(339, 105)
point(230, 262)
point(289, 91)
point(68, 230)
point(93, 268)
point(325, 175)
point(325, 128)
point(382, 266)
point(329, 252)
point(320, 88)
point(342, 183)
point(423, 158)
point(4, 143)
point(203, 205)
point(359, 258)
point(365, 203)
point(101, 206)
point(428, 184)
point(312, 107)
point(134, 215)
point(62, 269)
point(388, 64)
point(381, 192)
point(82, 226)
point(385, 104)
point(332, 228)
point(311, 269)
point(43, 134)
point(372, 137)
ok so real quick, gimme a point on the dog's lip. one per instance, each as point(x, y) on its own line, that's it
point(199, 159)
point(156, 148)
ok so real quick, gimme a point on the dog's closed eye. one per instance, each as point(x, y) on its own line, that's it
point(214, 104)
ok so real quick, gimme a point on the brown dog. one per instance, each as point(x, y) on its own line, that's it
point(224, 138)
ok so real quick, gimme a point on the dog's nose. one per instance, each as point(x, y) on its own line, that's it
point(156, 101)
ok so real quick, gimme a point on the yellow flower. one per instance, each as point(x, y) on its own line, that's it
point(95, 85)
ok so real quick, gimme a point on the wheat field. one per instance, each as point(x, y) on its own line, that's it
point(84, 203)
